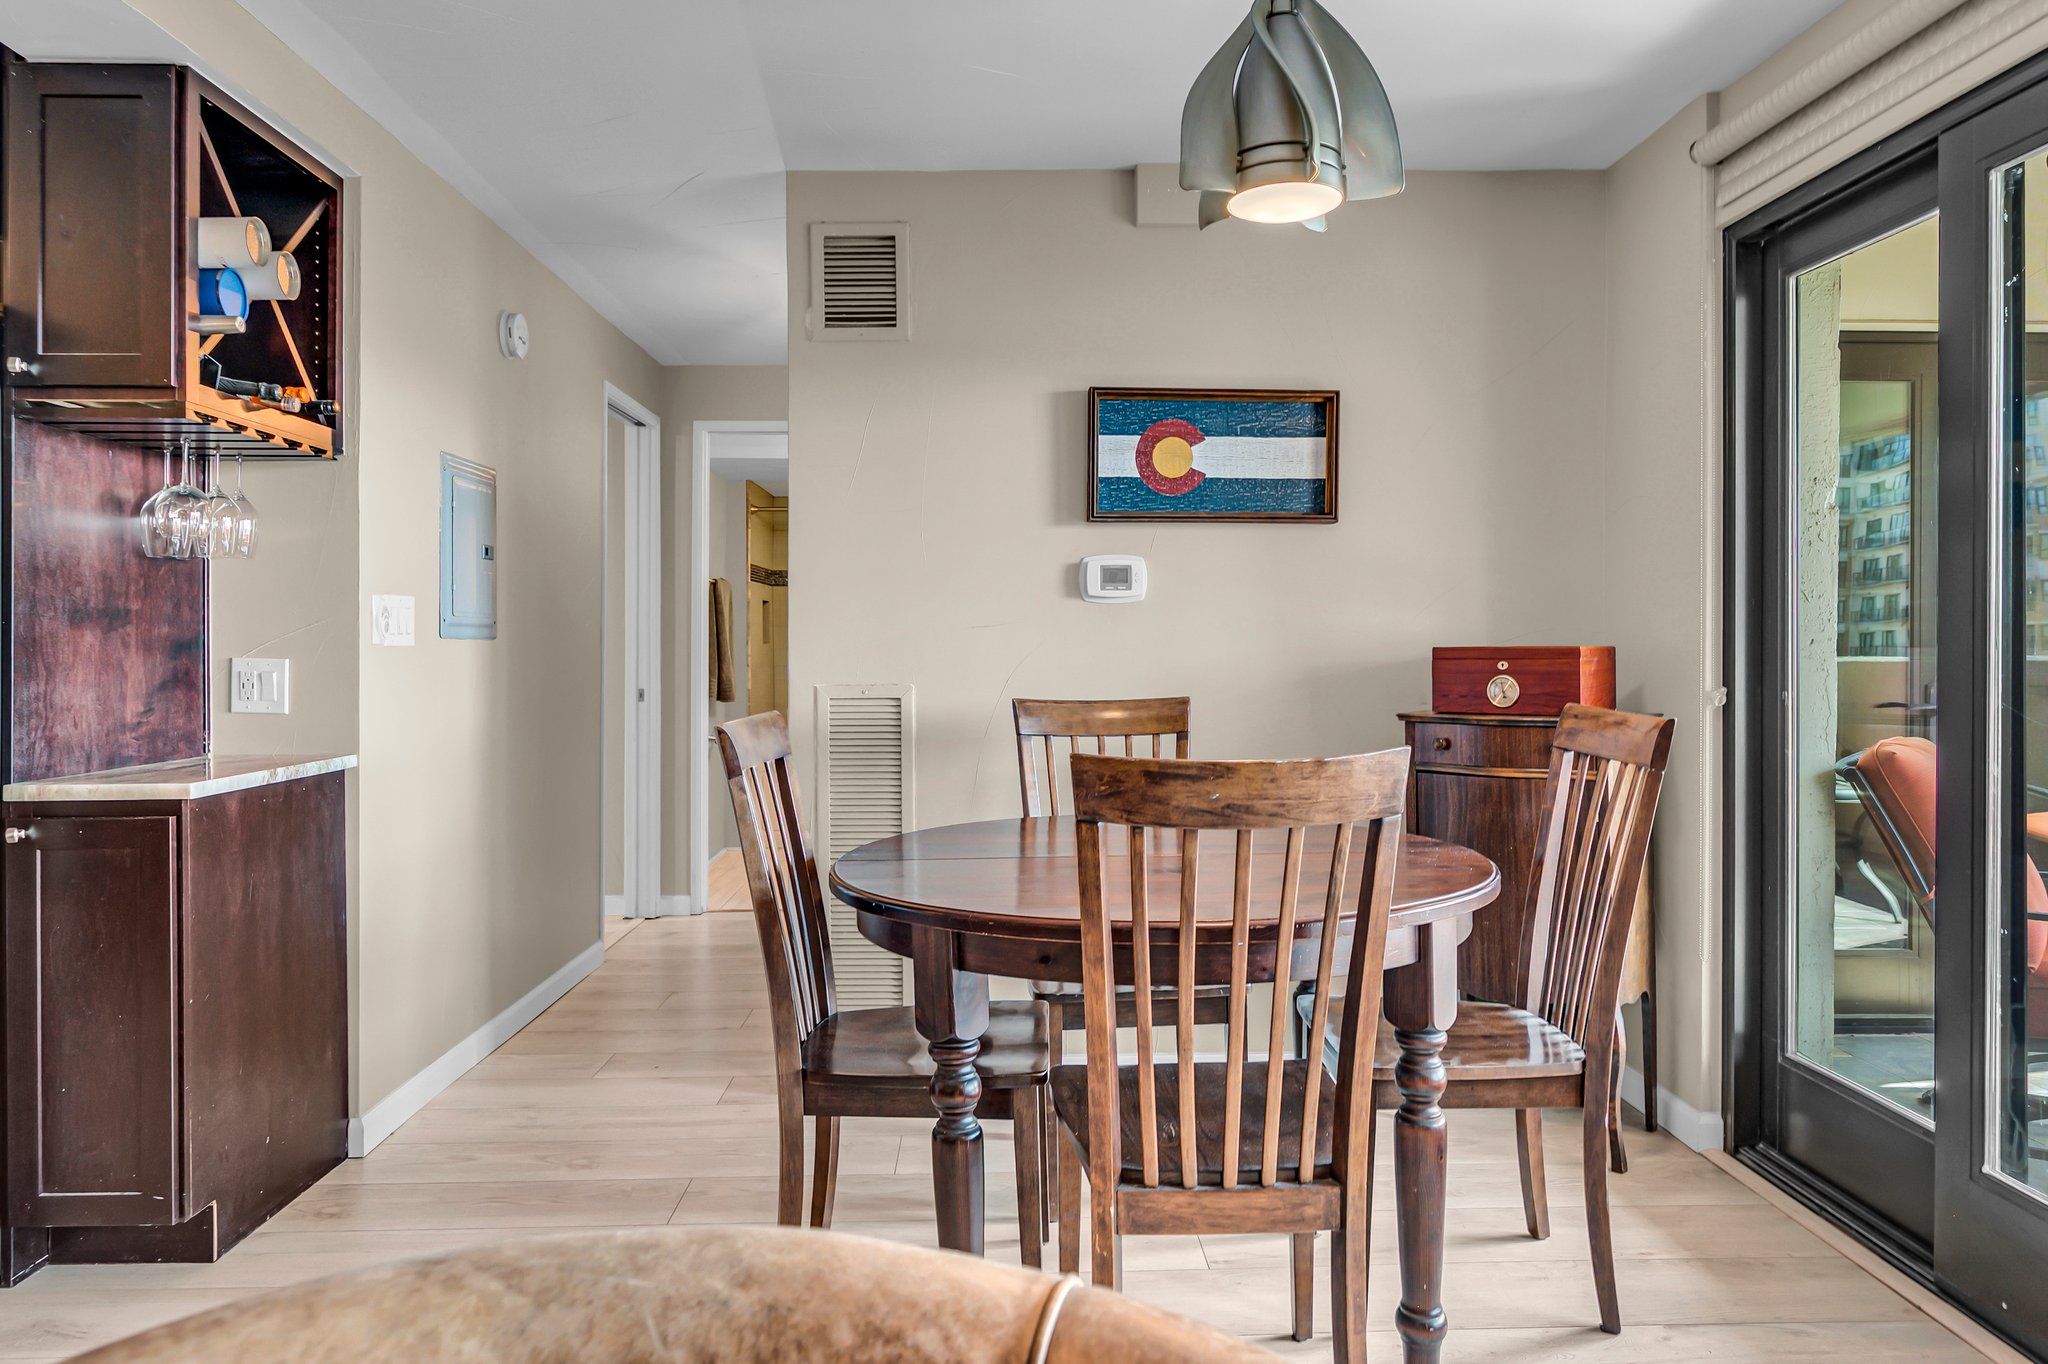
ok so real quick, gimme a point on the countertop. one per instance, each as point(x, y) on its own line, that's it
point(190, 780)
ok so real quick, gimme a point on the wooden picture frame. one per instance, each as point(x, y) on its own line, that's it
point(1276, 448)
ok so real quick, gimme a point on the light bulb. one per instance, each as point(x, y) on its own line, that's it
point(1286, 201)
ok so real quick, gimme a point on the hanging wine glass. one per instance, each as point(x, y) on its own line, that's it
point(158, 542)
point(188, 531)
point(245, 517)
point(218, 520)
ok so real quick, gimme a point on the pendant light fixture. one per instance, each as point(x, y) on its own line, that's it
point(1288, 121)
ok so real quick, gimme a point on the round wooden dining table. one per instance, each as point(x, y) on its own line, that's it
point(1002, 898)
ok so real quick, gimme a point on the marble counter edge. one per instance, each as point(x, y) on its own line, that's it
point(161, 781)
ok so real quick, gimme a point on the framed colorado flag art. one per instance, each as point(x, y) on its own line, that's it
point(1211, 454)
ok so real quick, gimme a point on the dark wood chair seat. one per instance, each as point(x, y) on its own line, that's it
point(1070, 1101)
point(882, 1046)
point(1488, 1039)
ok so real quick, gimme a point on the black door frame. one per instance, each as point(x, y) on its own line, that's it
point(1991, 1218)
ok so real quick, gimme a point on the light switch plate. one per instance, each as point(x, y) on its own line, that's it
point(391, 620)
point(260, 686)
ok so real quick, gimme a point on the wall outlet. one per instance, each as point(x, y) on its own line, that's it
point(260, 686)
point(391, 620)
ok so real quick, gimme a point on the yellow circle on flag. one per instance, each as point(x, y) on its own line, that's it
point(1173, 457)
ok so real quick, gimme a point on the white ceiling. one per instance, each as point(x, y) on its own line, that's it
point(638, 146)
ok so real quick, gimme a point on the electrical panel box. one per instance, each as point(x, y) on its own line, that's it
point(469, 550)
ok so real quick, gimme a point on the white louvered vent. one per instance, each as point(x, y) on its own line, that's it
point(857, 282)
point(865, 792)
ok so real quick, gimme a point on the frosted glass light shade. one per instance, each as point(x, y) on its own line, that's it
point(1287, 201)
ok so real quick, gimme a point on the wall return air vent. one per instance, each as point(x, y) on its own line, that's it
point(858, 275)
point(866, 735)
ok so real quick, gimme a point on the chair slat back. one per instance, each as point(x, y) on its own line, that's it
point(1047, 731)
point(1606, 769)
point(782, 880)
point(1312, 844)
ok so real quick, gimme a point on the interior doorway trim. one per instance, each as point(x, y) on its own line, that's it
point(703, 436)
point(640, 697)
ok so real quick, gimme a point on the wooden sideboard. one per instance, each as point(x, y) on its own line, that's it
point(1478, 780)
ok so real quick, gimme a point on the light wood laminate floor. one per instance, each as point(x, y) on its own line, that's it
point(643, 1098)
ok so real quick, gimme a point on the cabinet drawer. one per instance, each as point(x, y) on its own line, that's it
point(1448, 743)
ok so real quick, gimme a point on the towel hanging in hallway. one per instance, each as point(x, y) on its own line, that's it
point(721, 641)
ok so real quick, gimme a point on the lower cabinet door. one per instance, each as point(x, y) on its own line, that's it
point(91, 982)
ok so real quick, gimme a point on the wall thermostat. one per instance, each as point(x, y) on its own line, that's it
point(1113, 578)
point(512, 337)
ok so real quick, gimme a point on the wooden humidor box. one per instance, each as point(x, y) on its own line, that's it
point(1539, 680)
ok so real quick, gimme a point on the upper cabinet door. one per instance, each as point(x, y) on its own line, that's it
point(93, 225)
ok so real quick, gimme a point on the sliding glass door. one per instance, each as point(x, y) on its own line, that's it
point(1845, 503)
point(1992, 1176)
point(1888, 650)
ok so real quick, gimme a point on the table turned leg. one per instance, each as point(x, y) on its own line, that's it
point(1421, 1002)
point(1419, 1166)
point(952, 1015)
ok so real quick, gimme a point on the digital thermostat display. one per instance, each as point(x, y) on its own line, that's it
point(1113, 578)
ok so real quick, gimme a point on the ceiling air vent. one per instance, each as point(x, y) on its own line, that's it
point(857, 282)
point(864, 793)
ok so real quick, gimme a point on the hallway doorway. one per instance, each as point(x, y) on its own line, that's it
point(739, 651)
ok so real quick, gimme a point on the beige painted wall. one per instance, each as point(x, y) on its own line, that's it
point(938, 484)
point(695, 393)
point(477, 800)
point(1660, 509)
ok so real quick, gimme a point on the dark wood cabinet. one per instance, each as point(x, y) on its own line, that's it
point(95, 244)
point(109, 170)
point(1478, 780)
point(92, 1006)
point(176, 976)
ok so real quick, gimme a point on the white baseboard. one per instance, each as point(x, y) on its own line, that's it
point(615, 906)
point(1701, 1131)
point(393, 1109)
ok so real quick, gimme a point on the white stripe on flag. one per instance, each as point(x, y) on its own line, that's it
point(1224, 456)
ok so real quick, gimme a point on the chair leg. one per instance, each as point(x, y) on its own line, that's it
point(789, 1170)
point(1304, 1281)
point(825, 1179)
point(1535, 1190)
point(1646, 1010)
point(1049, 1145)
point(1350, 1251)
point(1029, 1126)
point(1617, 1149)
point(1103, 1251)
point(1070, 1204)
point(1599, 1229)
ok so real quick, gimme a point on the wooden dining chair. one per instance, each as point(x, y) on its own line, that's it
point(833, 1063)
point(1255, 1141)
point(1049, 734)
point(1560, 1049)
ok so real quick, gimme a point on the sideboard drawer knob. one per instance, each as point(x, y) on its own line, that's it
point(15, 835)
point(1443, 743)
